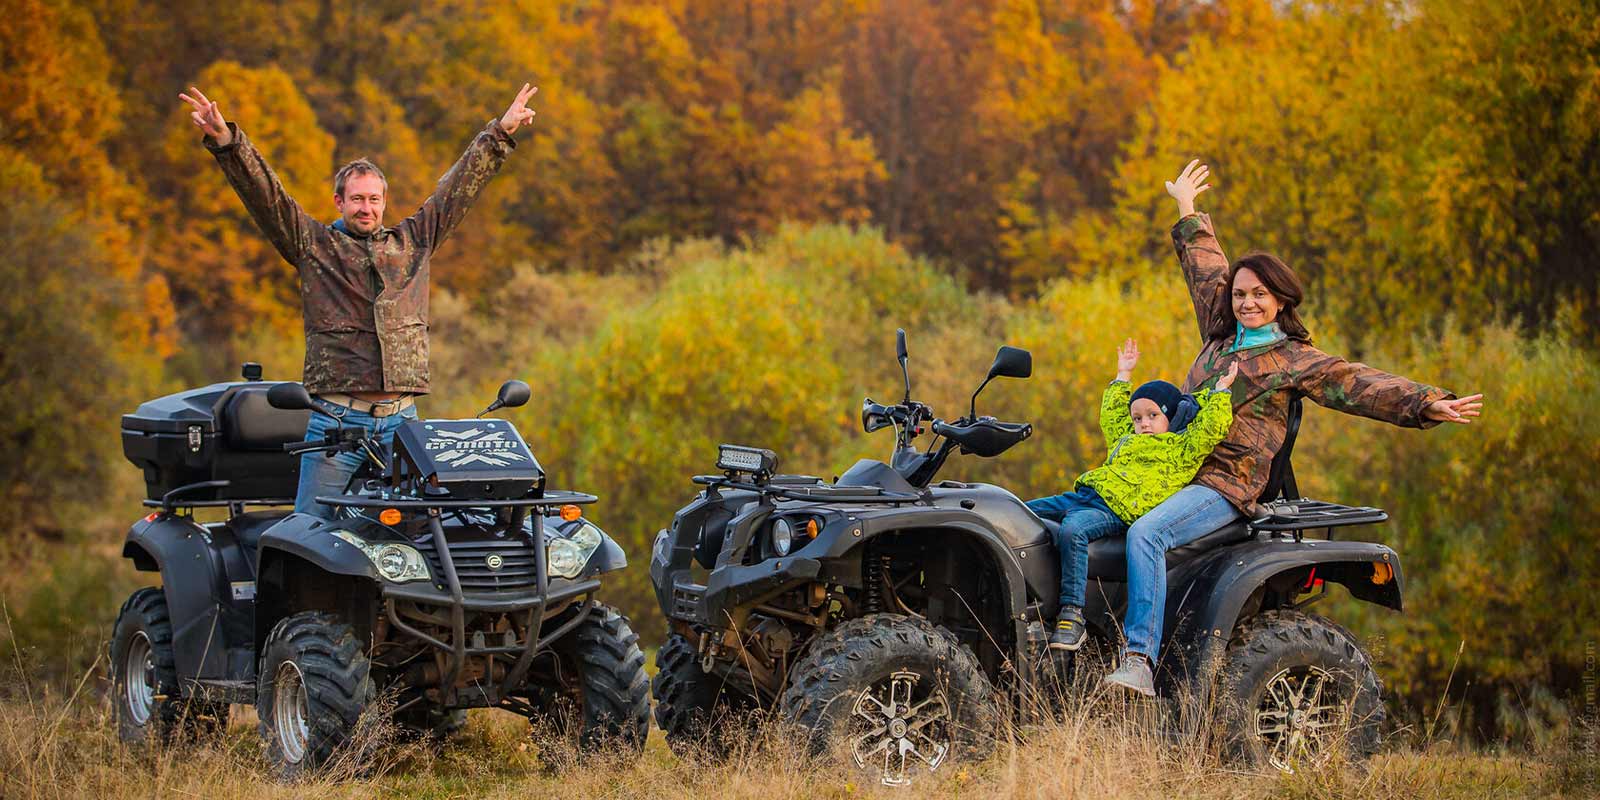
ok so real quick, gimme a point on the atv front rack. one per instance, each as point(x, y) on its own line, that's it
point(550, 498)
point(818, 492)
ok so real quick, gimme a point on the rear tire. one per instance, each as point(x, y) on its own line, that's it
point(604, 700)
point(1294, 688)
point(699, 715)
point(898, 695)
point(144, 678)
point(313, 686)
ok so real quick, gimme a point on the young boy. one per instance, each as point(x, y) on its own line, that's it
point(1153, 449)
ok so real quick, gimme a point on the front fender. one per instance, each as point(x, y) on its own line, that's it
point(308, 538)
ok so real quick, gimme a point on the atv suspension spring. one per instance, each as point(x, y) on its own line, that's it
point(876, 565)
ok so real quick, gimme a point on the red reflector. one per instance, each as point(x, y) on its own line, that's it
point(151, 517)
point(1312, 581)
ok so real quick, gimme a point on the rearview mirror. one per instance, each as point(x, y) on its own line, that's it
point(1011, 362)
point(289, 396)
point(513, 394)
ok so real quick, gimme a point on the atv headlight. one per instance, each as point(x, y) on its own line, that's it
point(398, 563)
point(782, 536)
point(566, 556)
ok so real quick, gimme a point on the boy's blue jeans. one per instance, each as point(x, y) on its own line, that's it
point(321, 475)
point(1082, 517)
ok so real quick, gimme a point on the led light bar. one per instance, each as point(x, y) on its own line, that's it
point(754, 460)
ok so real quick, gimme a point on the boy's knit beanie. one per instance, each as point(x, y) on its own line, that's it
point(1163, 394)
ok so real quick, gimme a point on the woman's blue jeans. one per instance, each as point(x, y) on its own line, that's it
point(1182, 518)
point(1082, 517)
point(321, 475)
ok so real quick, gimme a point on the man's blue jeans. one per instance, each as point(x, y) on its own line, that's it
point(1082, 517)
point(322, 475)
point(1184, 517)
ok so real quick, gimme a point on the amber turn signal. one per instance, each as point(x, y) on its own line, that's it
point(571, 512)
point(389, 516)
point(1382, 573)
point(811, 527)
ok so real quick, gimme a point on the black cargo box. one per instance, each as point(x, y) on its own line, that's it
point(225, 431)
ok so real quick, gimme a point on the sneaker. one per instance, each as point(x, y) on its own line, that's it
point(1069, 633)
point(1134, 675)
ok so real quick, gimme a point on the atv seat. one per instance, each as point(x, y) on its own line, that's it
point(249, 423)
point(1108, 557)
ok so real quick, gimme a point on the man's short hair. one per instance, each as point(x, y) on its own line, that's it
point(360, 166)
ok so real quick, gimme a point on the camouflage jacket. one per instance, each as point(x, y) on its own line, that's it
point(365, 297)
point(1270, 376)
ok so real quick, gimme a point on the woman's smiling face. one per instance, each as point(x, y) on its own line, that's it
point(1254, 304)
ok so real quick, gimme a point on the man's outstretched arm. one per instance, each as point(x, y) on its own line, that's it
point(286, 225)
point(460, 187)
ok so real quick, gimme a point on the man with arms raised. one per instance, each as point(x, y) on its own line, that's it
point(364, 287)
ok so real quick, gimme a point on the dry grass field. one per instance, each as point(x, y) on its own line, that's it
point(60, 742)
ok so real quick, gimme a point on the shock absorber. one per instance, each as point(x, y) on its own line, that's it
point(872, 580)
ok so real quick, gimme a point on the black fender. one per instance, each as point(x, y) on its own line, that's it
point(300, 556)
point(309, 539)
point(846, 546)
point(1204, 608)
point(194, 578)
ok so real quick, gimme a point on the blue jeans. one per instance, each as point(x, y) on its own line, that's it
point(324, 475)
point(1082, 517)
point(1182, 518)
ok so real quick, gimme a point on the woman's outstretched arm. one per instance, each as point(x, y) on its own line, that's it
point(1358, 389)
point(1205, 267)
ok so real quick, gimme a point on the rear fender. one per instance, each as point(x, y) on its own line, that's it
point(194, 578)
point(1212, 600)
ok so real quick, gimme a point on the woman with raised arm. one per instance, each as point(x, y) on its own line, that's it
point(1248, 316)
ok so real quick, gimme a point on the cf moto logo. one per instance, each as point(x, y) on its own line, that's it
point(494, 562)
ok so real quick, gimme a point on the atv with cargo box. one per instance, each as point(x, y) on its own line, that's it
point(898, 620)
point(449, 578)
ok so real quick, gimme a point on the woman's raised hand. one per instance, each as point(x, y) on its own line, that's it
point(1460, 410)
point(206, 115)
point(1189, 184)
point(519, 114)
point(1127, 359)
point(1225, 382)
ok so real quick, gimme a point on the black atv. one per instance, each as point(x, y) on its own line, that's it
point(450, 579)
point(899, 620)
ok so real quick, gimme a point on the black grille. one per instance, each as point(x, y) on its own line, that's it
point(472, 563)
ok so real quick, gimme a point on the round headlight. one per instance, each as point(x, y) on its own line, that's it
point(782, 536)
point(566, 558)
point(391, 562)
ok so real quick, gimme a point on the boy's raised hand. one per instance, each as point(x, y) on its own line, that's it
point(1226, 381)
point(1127, 359)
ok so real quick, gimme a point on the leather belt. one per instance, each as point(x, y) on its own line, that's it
point(382, 408)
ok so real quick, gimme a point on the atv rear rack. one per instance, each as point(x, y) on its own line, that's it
point(1298, 516)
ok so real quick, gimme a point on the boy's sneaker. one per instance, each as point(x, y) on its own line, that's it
point(1069, 633)
point(1134, 675)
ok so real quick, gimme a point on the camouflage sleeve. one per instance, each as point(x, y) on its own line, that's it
point(1354, 388)
point(1209, 427)
point(283, 221)
point(445, 208)
point(1205, 268)
point(1115, 422)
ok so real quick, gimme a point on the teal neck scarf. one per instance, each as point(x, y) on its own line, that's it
point(1246, 338)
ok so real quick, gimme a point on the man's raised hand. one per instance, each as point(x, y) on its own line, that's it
point(207, 117)
point(519, 114)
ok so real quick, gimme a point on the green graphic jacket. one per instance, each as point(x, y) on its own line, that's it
point(1141, 470)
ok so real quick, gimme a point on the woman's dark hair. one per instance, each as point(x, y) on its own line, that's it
point(1280, 280)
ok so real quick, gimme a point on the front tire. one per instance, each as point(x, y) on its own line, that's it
point(602, 695)
point(1296, 687)
point(697, 712)
point(144, 678)
point(899, 695)
point(313, 686)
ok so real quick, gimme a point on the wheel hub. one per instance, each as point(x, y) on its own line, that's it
point(1296, 716)
point(139, 676)
point(898, 725)
point(290, 717)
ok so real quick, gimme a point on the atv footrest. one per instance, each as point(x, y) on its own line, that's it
point(1305, 513)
